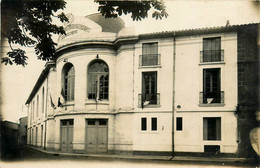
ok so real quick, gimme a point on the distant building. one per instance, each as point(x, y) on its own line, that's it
point(23, 122)
point(9, 138)
point(181, 92)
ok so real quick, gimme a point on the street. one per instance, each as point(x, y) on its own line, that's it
point(31, 158)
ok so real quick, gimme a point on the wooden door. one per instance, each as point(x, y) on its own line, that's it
point(36, 136)
point(96, 136)
point(66, 135)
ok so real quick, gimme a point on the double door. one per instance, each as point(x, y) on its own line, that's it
point(66, 135)
point(96, 135)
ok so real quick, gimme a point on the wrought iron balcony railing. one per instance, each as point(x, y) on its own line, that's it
point(148, 99)
point(212, 56)
point(212, 97)
point(149, 59)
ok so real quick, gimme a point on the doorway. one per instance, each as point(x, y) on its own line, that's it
point(67, 135)
point(96, 135)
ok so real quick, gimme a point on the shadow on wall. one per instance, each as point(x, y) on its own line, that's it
point(10, 148)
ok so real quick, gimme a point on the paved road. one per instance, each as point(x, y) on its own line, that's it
point(30, 158)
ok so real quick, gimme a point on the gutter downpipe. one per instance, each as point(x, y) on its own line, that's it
point(45, 130)
point(173, 92)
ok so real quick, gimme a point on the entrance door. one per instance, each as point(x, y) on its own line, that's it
point(41, 134)
point(66, 135)
point(96, 135)
point(36, 136)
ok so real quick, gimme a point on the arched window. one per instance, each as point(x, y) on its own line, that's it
point(68, 82)
point(98, 80)
point(37, 106)
point(42, 99)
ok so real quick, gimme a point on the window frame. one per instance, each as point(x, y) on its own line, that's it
point(152, 85)
point(68, 82)
point(143, 123)
point(154, 124)
point(98, 88)
point(207, 129)
point(37, 106)
point(43, 99)
point(211, 85)
point(211, 50)
point(150, 56)
point(179, 124)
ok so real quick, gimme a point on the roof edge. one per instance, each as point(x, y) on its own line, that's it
point(197, 31)
point(40, 80)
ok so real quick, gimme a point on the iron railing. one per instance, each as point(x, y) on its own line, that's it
point(153, 101)
point(212, 97)
point(149, 59)
point(211, 56)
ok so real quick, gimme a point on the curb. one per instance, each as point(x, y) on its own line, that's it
point(149, 157)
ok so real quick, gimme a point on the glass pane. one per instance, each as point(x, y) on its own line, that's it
point(69, 74)
point(150, 87)
point(143, 124)
point(71, 71)
point(91, 122)
point(71, 122)
point(212, 49)
point(63, 122)
point(212, 128)
point(98, 66)
point(179, 124)
point(98, 80)
point(154, 124)
point(92, 86)
point(102, 122)
point(211, 86)
point(150, 54)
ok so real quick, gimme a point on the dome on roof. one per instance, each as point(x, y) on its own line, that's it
point(107, 24)
point(93, 27)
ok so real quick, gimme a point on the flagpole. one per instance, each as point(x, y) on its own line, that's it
point(65, 104)
point(96, 93)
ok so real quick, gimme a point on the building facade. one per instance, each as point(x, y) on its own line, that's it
point(179, 92)
point(23, 130)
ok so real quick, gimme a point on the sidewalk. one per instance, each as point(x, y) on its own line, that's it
point(151, 157)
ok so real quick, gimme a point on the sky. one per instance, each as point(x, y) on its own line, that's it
point(17, 82)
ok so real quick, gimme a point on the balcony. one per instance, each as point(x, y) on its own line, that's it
point(150, 60)
point(149, 101)
point(211, 56)
point(212, 98)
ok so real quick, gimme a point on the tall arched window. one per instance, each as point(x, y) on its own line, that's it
point(68, 82)
point(37, 106)
point(98, 80)
point(42, 99)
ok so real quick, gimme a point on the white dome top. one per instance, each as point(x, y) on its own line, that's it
point(93, 27)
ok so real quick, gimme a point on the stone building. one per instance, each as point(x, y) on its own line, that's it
point(23, 130)
point(173, 93)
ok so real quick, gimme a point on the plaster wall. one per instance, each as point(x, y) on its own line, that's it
point(189, 72)
point(190, 139)
point(159, 140)
point(164, 75)
point(79, 130)
point(124, 125)
point(80, 60)
point(189, 83)
point(125, 78)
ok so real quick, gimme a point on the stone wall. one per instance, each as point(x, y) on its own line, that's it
point(248, 87)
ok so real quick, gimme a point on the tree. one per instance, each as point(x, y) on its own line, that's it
point(29, 23)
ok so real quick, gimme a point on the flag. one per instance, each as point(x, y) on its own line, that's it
point(62, 93)
point(52, 104)
point(59, 103)
point(142, 101)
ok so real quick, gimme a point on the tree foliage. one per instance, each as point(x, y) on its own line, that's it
point(29, 23)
